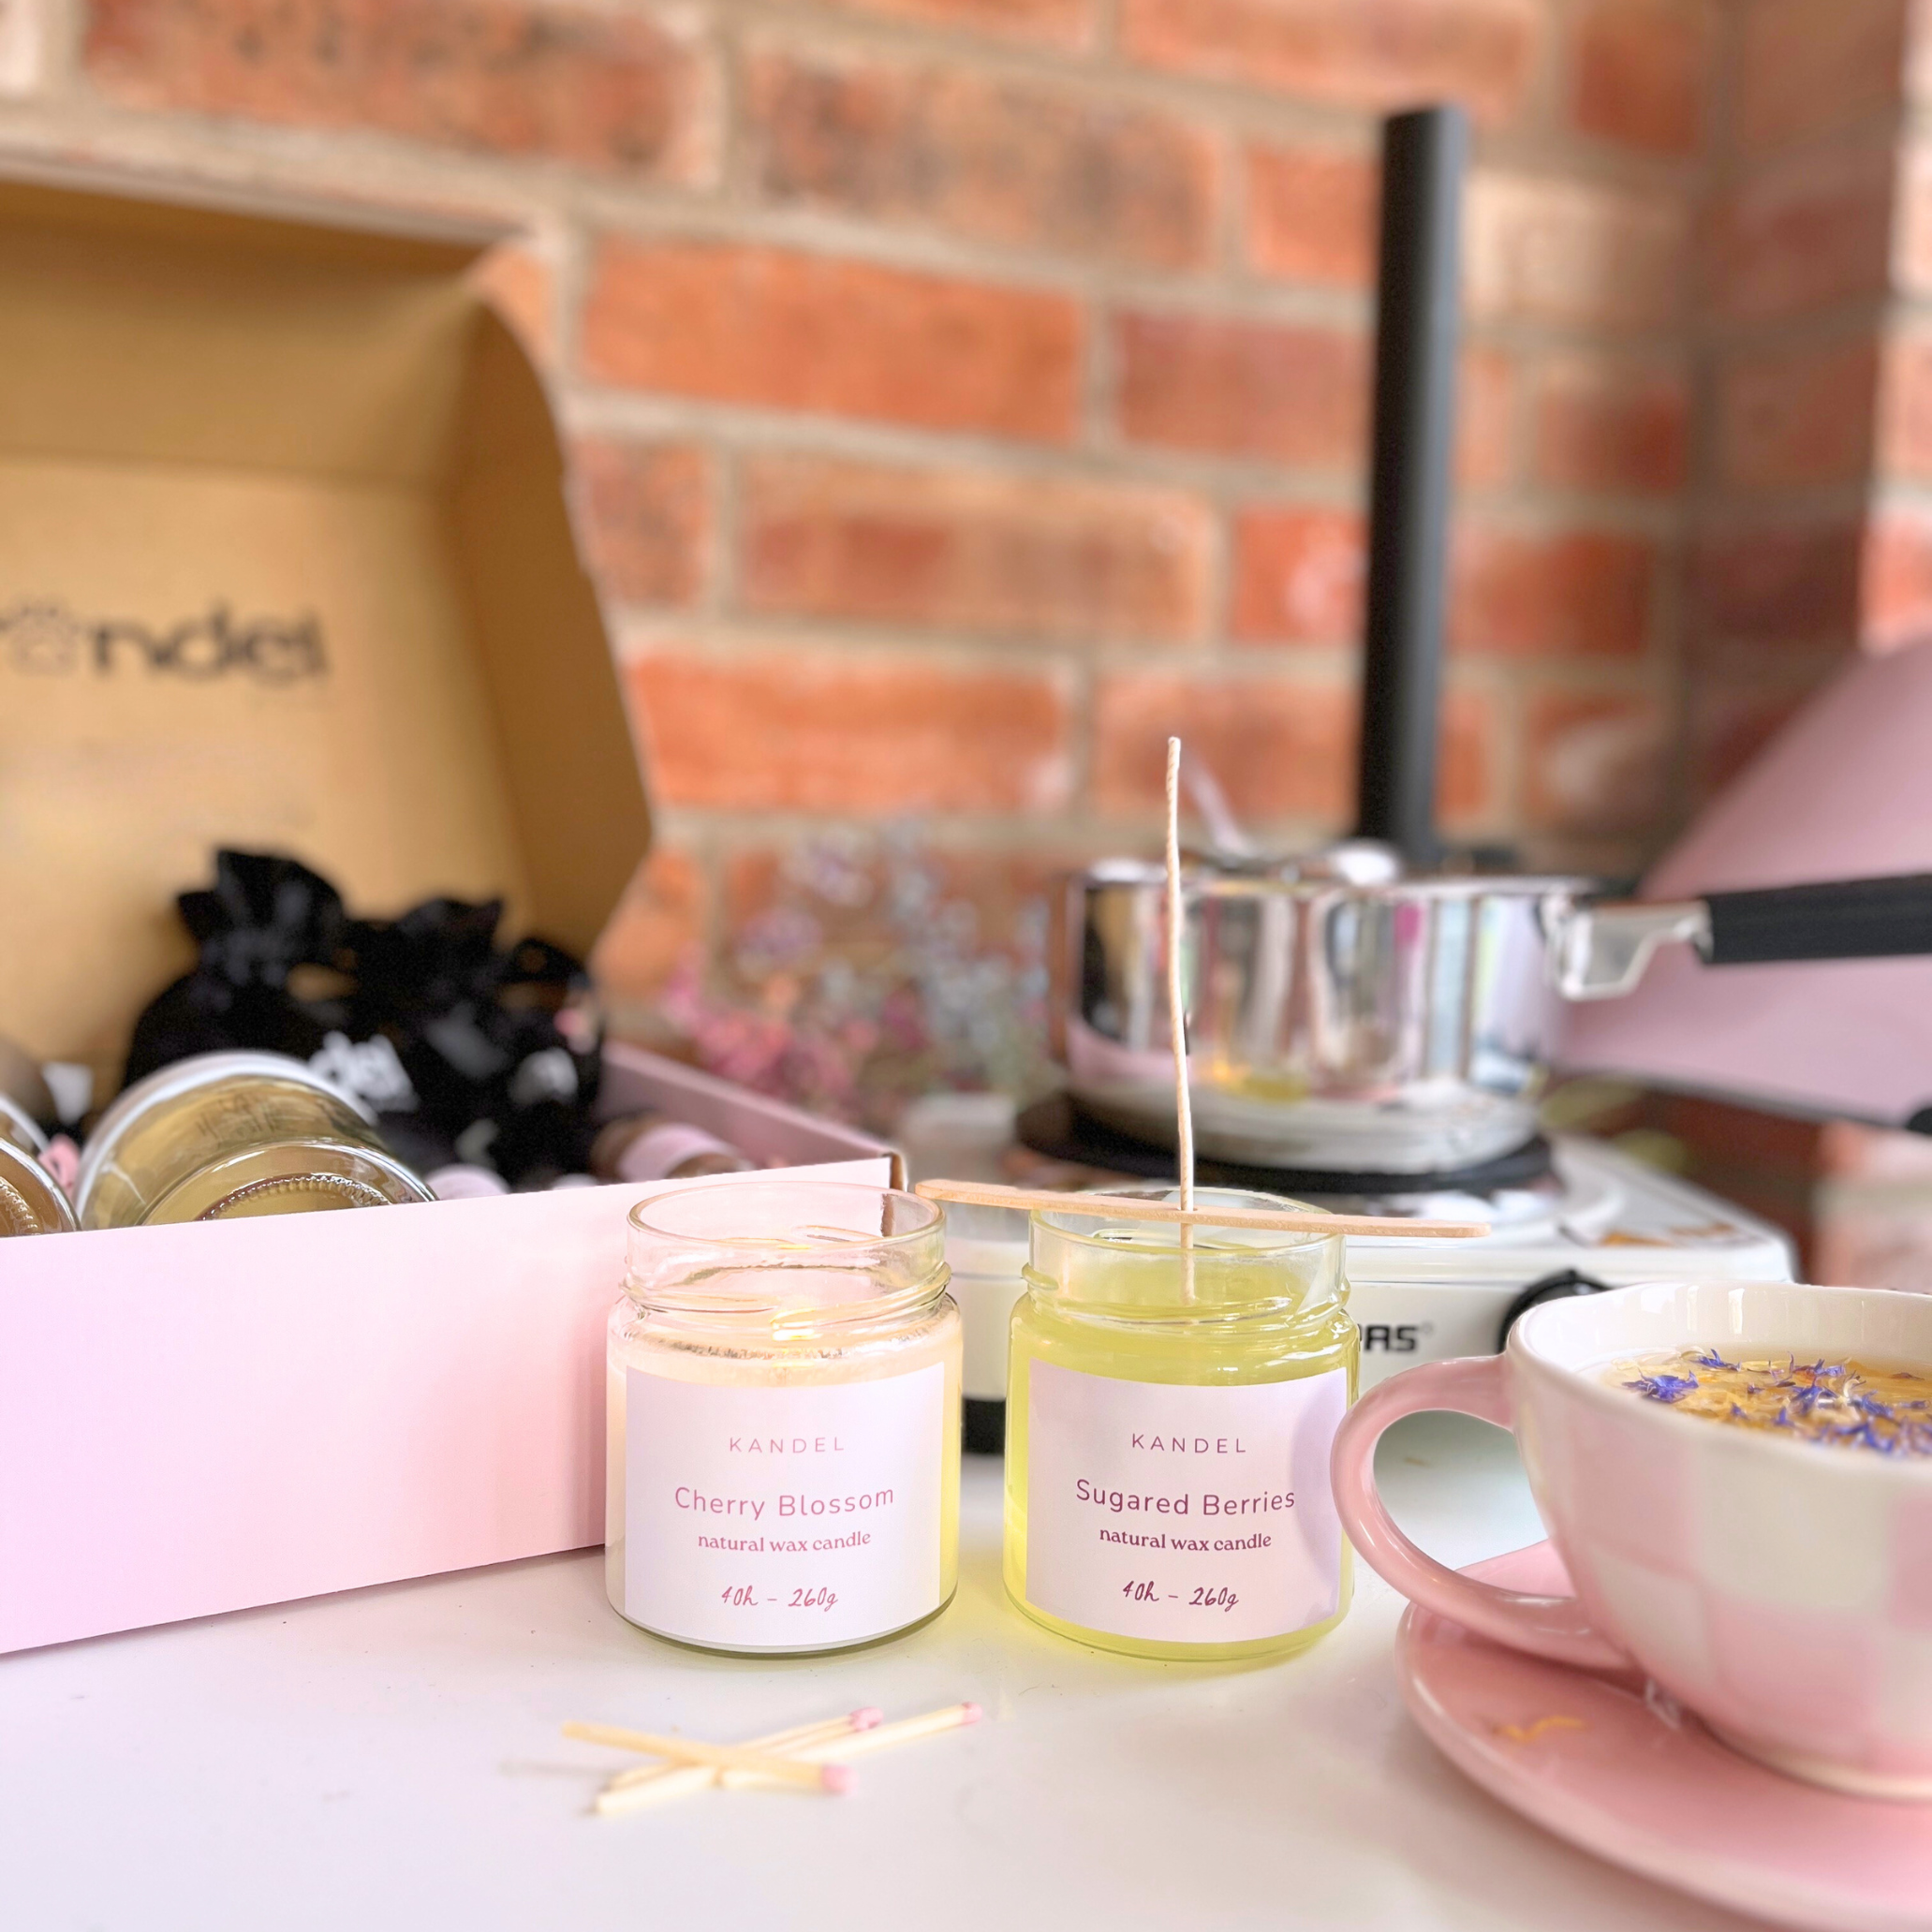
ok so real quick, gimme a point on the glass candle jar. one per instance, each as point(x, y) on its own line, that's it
point(226, 1135)
point(1169, 1414)
point(783, 1418)
point(32, 1202)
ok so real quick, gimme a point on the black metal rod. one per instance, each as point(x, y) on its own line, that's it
point(1419, 306)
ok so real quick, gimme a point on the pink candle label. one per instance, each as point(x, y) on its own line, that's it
point(1182, 1515)
point(782, 1519)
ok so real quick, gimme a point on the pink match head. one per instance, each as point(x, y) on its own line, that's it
point(836, 1778)
point(970, 1713)
point(865, 1717)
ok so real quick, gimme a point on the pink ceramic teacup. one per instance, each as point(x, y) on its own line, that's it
point(1781, 1590)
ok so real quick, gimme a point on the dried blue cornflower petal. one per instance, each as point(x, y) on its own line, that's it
point(1663, 1388)
point(1842, 1404)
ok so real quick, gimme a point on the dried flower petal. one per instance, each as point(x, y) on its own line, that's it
point(1846, 1404)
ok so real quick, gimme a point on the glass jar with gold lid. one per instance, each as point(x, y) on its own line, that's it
point(1170, 1412)
point(222, 1136)
point(32, 1202)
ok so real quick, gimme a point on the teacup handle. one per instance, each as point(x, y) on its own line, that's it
point(1477, 1385)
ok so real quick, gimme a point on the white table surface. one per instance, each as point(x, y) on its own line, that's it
point(391, 1758)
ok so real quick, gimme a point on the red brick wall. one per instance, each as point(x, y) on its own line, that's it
point(966, 393)
point(1797, 267)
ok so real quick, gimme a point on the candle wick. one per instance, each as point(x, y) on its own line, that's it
point(1176, 1016)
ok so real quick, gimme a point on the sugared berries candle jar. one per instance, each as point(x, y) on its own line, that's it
point(1173, 1397)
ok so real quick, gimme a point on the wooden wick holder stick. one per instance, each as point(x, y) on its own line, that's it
point(1133, 1207)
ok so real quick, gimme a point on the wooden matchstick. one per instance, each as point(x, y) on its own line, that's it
point(725, 1757)
point(856, 1744)
point(847, 1739)
point(1133, 1207)
point(674, 1780)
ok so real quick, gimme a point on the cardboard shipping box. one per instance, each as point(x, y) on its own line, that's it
point(285, 563)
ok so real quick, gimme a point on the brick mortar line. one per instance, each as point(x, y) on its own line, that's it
point(813, 630)
point(1890, 127)
point(724, 538)
point(1531, 336)
point(529, 195)
point(363, 161)
point(1881, 138)
point(913, 248)
point(732, 185)
point(640, 632)
point(1282, 113)
point(1207, 656)
point(1721, 505)
point(1831, 325)
point(313, 166)
point(953, 833)
point(1082, 735)
point(569, 286)
point(1544, 95)
point(606, 410)
point(667, 214)
point(725, 640)
point(1797, 662)
point(1911, 309)
point(1229, 481)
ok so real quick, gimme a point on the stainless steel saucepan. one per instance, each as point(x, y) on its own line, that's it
point(1344, 1017)
point(1363, 1012)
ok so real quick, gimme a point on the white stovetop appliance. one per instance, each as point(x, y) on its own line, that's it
point(1600, 1220)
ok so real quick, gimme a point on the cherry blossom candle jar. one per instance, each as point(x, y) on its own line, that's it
point(784, 1416)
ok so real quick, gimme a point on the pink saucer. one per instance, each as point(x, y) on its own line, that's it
point(1663, 1797)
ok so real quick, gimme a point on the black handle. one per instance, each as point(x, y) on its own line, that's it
point(1851, 919)
point(1418, 311)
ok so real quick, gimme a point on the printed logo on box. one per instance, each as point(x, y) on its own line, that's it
point(44, 639)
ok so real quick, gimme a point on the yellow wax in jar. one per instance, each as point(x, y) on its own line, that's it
point(1125, 1303)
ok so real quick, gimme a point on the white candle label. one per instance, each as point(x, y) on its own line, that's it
point(1182, 1515)
point(782, 1519)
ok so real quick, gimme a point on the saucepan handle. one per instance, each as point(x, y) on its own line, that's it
point(1853, 919)
point(1601, 947)
point(1553, 1627)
